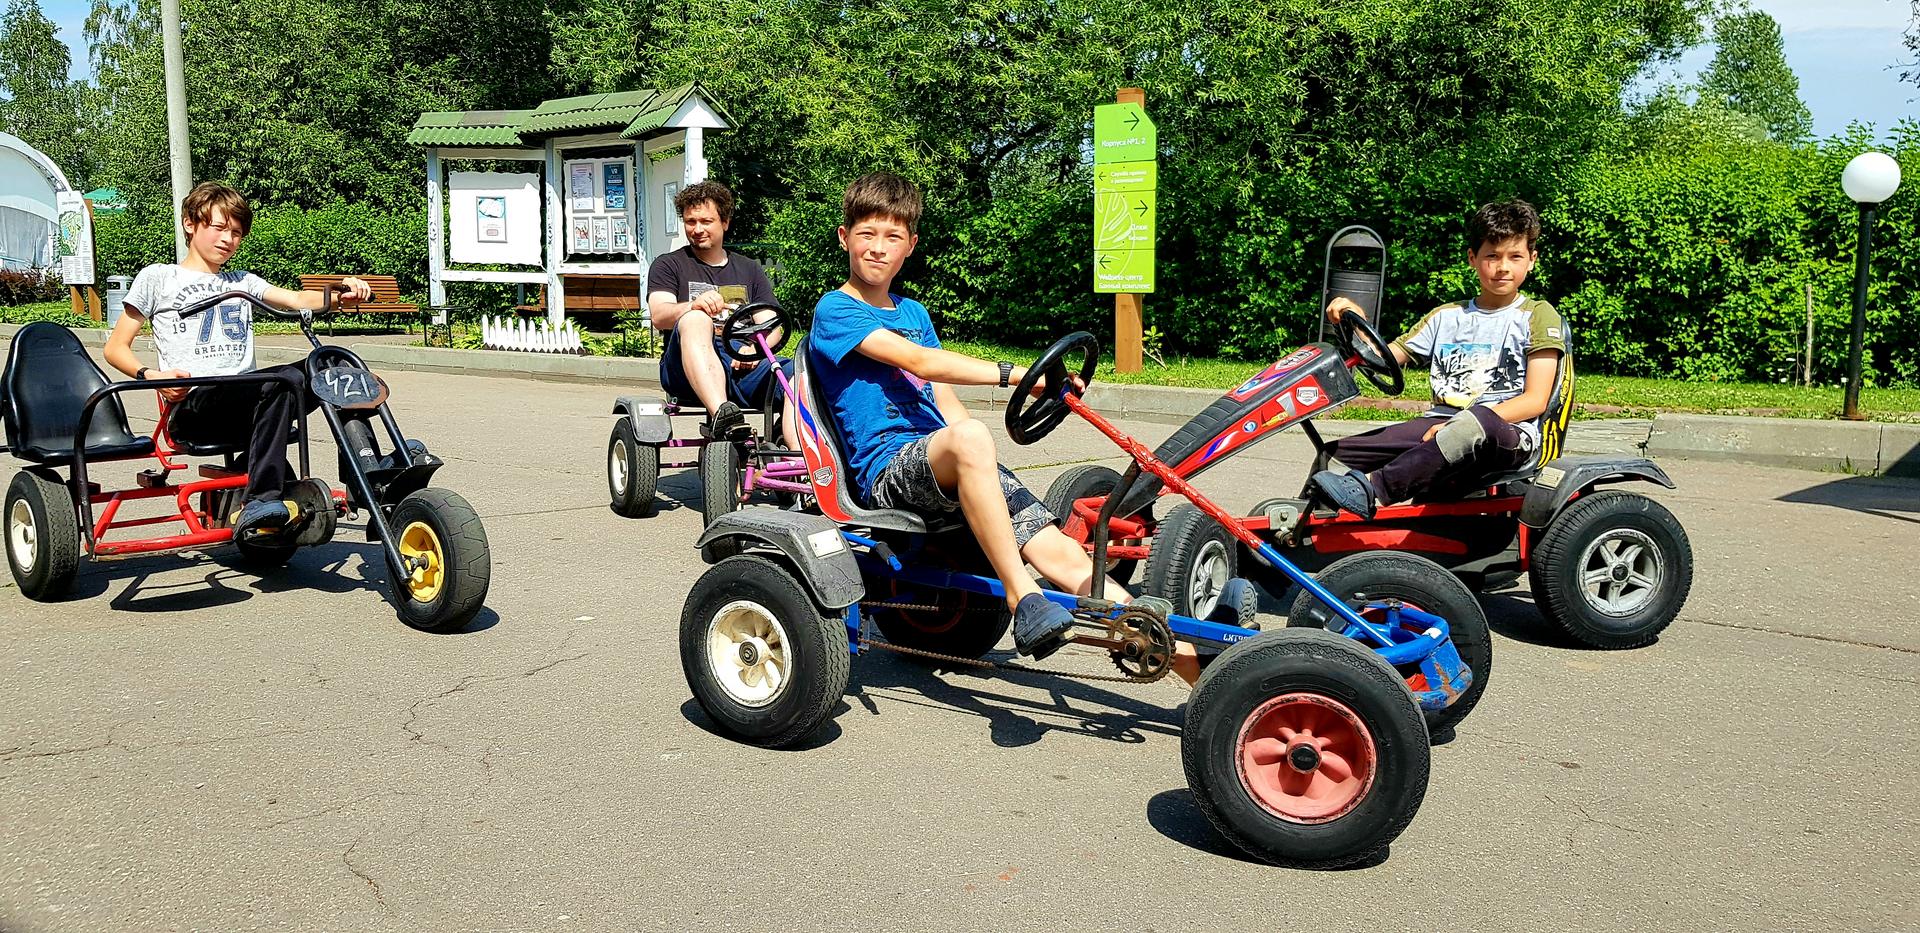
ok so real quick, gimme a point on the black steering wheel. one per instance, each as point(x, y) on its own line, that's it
point(327, 306)
point(750, 320)
point(1377, 362)
point(1030, 419)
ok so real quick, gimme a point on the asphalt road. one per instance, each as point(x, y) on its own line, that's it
point(187, 746)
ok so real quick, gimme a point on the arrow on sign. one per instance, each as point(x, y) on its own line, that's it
point(1142, 209)
point(1133, 119)
point(1104, 259)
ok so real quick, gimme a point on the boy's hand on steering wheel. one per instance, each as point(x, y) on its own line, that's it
point(1339, 306)
point(177, 392)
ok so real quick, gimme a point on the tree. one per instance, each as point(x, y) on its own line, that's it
point(1749, 74)
point(38, 102)
point(1913, 44)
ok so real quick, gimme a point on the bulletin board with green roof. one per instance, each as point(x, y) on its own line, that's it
point(600, 204)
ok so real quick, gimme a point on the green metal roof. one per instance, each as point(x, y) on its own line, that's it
point(468, 128)
point(633, 114)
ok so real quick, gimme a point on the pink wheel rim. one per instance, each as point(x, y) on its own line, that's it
point(1305, 758)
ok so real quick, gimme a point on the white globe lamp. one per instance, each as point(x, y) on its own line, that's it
point(1869, 179)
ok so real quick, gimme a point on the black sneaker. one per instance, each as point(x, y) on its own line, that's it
point(1349, 491)
point(262, 517)
point(1039, 626)
point(724, 422)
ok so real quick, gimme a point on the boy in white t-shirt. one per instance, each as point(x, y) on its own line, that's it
point(219, 342)
point(1493, 363)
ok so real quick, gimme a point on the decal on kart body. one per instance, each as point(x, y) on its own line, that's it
point(1282, 410)
point(819, 464)
point(1265, 377)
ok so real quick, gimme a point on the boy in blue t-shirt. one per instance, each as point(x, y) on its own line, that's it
point(910, 444)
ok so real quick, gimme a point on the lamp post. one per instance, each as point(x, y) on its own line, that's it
point(1870, 179)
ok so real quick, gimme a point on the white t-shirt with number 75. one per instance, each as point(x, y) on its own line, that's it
point(215, 342)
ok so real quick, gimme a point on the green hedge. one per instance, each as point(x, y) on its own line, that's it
point(285, 243)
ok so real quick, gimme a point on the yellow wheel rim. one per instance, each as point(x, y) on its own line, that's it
point(421, 547)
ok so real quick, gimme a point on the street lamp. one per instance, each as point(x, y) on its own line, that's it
point(1871, 178)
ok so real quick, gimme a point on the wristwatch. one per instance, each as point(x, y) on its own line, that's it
point(1006, 371)
point(141, 373)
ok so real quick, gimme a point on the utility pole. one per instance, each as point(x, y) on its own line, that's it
point(181, 157)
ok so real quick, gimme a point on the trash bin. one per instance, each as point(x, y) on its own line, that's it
point(117, 286)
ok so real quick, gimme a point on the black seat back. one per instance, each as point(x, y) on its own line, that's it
point(823, 446)
point(49, 376)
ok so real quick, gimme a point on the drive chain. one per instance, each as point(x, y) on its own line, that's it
point(957, 660)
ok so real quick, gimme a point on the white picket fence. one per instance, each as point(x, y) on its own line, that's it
point(530, 337)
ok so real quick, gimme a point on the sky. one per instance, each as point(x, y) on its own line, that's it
point(1847, 54)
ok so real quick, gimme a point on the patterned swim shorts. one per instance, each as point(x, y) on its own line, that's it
point(907, 483)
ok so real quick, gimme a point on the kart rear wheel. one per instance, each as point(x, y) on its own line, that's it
point(633, 471)
point(1420, 584)
point(42, 534)
point(1612, 570)
point(1192, 558)
point(442, 535)
point(1304, 749)
point(763, 661)
point(1084, 482)
point(964, 624)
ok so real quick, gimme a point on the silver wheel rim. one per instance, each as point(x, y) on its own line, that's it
point(1621, 572)
point(23, 538)
point(747, 653)
point(1208, 578)
point(617, 468)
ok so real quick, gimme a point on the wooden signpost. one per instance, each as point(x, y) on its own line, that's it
point(1126, 175)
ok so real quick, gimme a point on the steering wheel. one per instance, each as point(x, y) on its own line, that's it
point(327, 307)
point(741, 327)
point(1030, 419)
point(1358, 338)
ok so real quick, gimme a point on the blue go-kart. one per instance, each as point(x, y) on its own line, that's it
point(1304, 746)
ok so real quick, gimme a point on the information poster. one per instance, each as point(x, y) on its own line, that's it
point(75, 249)
point(622, 236)
point(582, 235)
point(580, 187)
point(668, 191)
point(614, 187)
point(602, 241)
point(490, 215)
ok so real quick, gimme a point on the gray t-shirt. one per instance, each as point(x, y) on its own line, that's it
point(215, 342)
point(1478, 356)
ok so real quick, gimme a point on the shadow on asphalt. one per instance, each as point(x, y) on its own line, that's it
point(828, 731)
point(1176, 815)
point(1074, 707)
point(1879, 496)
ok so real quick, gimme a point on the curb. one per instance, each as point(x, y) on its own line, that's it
point(1863, 447)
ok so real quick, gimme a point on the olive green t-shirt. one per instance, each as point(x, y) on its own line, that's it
point(1479, 356)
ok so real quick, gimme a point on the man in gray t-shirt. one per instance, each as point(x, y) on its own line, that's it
point(219, 342)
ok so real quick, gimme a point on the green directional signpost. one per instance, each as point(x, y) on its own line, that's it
point(1126, 179)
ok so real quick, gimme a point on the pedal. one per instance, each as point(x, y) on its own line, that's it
point(319, 515)
point(211, 471)
point(151, 479)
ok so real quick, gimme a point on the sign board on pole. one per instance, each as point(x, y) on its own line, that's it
point(75, 249)
point(1126, 176)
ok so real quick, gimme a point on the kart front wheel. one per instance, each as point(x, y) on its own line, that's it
point(633, 471)
point(763, 661)
point(42, 534)
point(1612, 570)
point(1304, 749)
point(445, 546)
point(1192, 559)
point(1418, 583)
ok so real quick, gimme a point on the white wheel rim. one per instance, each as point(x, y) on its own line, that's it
point(1621, 572)
point(23, 537)
point(617, 468)
point(1208, 578)
point(747, 653)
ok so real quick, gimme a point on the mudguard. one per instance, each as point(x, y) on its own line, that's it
point(1559, 480)
point(812, 543)
point(648, 413)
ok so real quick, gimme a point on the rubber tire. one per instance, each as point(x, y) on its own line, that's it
point(56, 534)
point(819, 663)
point(967, 627)
point(469, 565)
point(720, 478)
point(1383, 574)
point(635, 498)
point(1555, 575)
point(1176, 546)
point(1302, 660)
point(1081, 482)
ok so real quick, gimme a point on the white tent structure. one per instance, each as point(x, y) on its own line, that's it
point(30, 189)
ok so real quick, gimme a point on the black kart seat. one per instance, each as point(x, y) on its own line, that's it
point(48, 378)
point(1312, 380)
point(881, 519)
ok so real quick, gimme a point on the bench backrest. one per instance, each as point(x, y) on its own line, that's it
point(386, 289)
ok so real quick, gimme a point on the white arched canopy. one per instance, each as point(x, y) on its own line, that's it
point(31, 186)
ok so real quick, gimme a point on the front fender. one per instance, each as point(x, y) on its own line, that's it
point(1560, 480)
point(648, 413)
point(811, 543)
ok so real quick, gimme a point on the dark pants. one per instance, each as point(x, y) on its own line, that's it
point(752, 388)
point(260, 415)
point(1402, 465)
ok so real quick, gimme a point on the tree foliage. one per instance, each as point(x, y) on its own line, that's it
point(1749, 74)
point(38, 102)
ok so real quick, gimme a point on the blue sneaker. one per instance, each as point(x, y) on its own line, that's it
point(262, 517)
point(1040, 627)
point(1350, 491)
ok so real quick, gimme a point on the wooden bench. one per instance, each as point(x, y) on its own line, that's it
point(591, 293)
point(385, 301)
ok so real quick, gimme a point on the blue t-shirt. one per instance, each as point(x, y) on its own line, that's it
point(879, 408)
